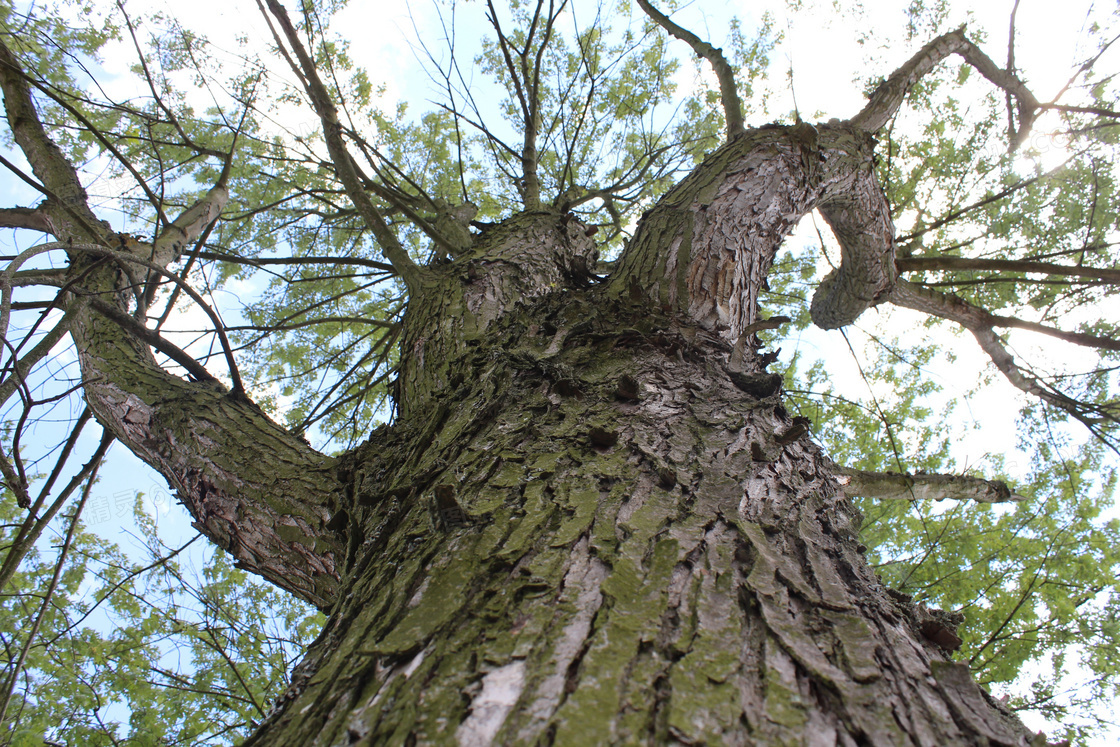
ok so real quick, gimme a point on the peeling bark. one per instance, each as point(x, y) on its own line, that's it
point(691, 579)
point(706, 247)
point(595, 524)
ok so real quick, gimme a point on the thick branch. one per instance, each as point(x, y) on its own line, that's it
point(971, 317)
point(924, 487)
point(269, 508)
point(728, 90)
point(706, 247)
point(888, 97)
point(980, 323)
point(188, 226)
point(269, 504)
point(32, 219)
point(56, 173)
point(344, 165)
point(861, 222)
point(919, 264)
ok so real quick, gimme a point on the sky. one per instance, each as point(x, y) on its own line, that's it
point(820, 53)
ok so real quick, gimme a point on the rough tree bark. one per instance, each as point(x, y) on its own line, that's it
point(594, 521)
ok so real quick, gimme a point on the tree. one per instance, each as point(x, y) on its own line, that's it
point(593, 516)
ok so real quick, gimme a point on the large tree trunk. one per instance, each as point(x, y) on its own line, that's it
point(596, 523)
point(599, 537)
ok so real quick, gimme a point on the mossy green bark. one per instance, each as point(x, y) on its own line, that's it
point(622, 569)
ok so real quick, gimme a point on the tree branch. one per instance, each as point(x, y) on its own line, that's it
point(728, 90)
point(265, 261)
point(32, 219)
point(269, 507)
point(920, 264)
point(344, 164)
point(955, 308)
point(860, 218)
point(888, 97)
point(59, 178)
point(980, 323)
point(168, 246)
point(924, 487)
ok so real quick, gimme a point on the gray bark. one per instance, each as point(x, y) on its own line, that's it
point(607, 540)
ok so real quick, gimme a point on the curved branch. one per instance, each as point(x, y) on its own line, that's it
point(706, 246)
point(252, 487)
point(888, 97)
point(728, 90)
point(861, 222)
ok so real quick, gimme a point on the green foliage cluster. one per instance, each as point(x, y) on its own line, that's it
point(151, 653)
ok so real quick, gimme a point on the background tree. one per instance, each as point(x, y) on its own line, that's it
point(525, 526)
